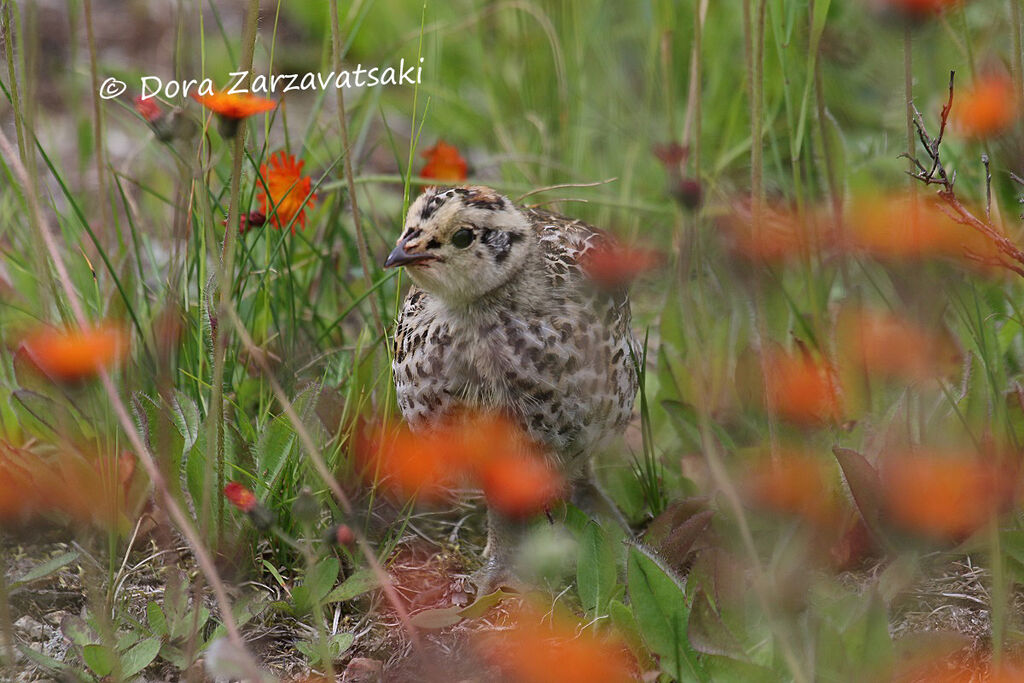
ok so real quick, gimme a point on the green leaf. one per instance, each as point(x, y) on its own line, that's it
point(156, 618)
point(271, 454)
point(48, 568)
point(595, 570)
point(276, 574)
point(139, 657)
point(41, 659)
point(864, 484)
point(659, 605)
point(99, 658)
point(301, 603)
point(436, 618)
point(320, 579)
point(483, 604)
point(77, 631)
point(361, 581)
point(625, 623)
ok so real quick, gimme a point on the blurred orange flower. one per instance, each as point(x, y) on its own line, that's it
point(239, 496)
point(486, 450)
point(234, 106)
point(612, 266)
point(946, 496)
point(148, 108)
point(535, 651)
point(66, 484)
point(779, 236)
point(77, 354)
point(444, 163)
point(800, 389)
point(892, 346)
point(901, 227)
point(518, 484)
point(289, 191)
point(987, 109)
point(794, 483)
point(915, 9)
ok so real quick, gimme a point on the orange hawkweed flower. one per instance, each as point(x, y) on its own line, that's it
point(290, 192)
point(891, 346)
point(779, 236)
point(913, 9)
point(485, 450)
point(519, 485)
point(800, 389)
point(899, 228)
point(148, 108)
point(232, 108)
point(534, 651)
point(66, 485)
point(77, 354)
point(239, 496)
point(444, 163)
point(944, 496)
point(612, 266)
point(793, 483)
point(989, 108)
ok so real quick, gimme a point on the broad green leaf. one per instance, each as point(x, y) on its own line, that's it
point(361, 581)
point(48, 568)
point(864, 484)
point(595, 570)
point(139, 657)
point(77, 631)
point(659, 605)
point(271, 454)
point(481, 605)
point(156, 618)
point(320, 579)
point(625, 624)
point(99, 658)
point(301, 602)
point(436, 618)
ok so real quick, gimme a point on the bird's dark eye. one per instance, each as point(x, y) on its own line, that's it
point(462, 238)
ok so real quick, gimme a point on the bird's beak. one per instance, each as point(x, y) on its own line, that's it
point(400, 257)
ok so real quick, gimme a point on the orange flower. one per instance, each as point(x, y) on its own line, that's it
point(914, 9)
point(945, 496)
point(612, 266)
point(148, 108)
point(486, 450)
point(67, 485)
point(290, 192)
point(801, 390)
point(793, 483)
point(234, 106)
point(444, 163)
point(519, 485)
point(987, 109)
point(74, 355)
point(779, 236)
point(891, 346)
point(241, 497)
point(534, 652)
point(900, 228)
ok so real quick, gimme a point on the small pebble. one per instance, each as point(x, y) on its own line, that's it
point(30, 627)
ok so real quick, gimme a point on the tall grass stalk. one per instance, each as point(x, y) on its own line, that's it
point(42, 232)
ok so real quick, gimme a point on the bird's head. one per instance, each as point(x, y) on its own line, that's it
point(463, 243)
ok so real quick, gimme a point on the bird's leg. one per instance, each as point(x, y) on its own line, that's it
point(595, 503)
point(504, 538)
